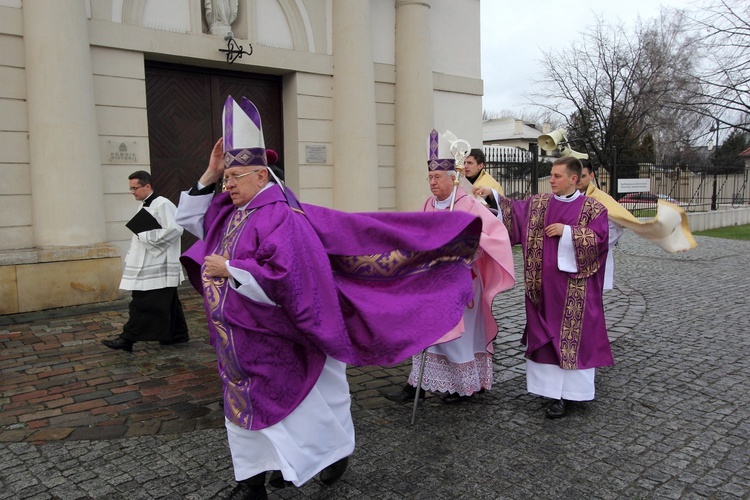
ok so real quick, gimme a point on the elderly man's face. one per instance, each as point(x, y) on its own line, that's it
point(441, 184)
point(243, 183)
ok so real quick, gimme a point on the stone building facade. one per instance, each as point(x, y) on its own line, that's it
point(93, 90)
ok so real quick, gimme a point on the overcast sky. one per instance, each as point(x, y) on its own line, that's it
point(514, 34)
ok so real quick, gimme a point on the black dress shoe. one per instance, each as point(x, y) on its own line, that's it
point(178, 340)
point(277, 480)
point(556, 409)
point(453, 397)
point(253, 488)
point(406, 394)
point(119, 343)
point(333, 472)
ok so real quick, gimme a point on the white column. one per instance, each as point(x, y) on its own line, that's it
point(66, 178)
point(355, 152)
point(414, 102)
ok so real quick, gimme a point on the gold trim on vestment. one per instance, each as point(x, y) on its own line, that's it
point(399, 263)
point(535, 246)
point(505, 206)
point(236, 382)
point(587, 261)
point(584, 239)
point(571, 326)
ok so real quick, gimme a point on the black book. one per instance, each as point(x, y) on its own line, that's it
point(143, 221)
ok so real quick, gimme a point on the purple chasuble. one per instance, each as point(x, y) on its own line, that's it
point(565, 323)
point(361, 288)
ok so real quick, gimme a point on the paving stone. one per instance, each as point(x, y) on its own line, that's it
point(671, 418)
point(107, 432)
point(50, 434)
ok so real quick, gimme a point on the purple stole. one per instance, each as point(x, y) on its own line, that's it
point(237, 395)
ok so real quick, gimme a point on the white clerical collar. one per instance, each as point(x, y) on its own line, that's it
point(442, 205)
point(569, 198)
point(270, 183)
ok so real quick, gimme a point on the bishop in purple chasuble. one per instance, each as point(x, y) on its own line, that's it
point(361, 288)
point(565, 323)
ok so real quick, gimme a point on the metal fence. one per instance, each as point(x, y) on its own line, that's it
point(516, 169)
point(696, 188)
point(699, 187)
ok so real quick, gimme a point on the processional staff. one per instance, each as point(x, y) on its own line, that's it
point(460, 149)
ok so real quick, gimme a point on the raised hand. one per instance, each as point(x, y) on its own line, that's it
point(215, 169)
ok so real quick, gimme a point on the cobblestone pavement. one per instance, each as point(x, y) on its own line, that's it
point(671, 418)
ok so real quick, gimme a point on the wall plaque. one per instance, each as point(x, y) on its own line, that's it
point(122, 151)
point(315, 153)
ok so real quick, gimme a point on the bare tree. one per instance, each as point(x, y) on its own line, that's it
point(614, 87)
point(723, 79)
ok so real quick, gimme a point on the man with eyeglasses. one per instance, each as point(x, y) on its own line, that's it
point(294, 292)
point(152, 274)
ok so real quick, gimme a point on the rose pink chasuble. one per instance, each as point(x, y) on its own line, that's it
point(464, 365)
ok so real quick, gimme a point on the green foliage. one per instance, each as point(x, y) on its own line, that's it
point(730, 232)
point(644, 212)
point(545, 168)
point(727, 159)
point(646, 149)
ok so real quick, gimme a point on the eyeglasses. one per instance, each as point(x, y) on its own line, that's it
point(236, 177)
point(434, 177)
point(135, 188)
